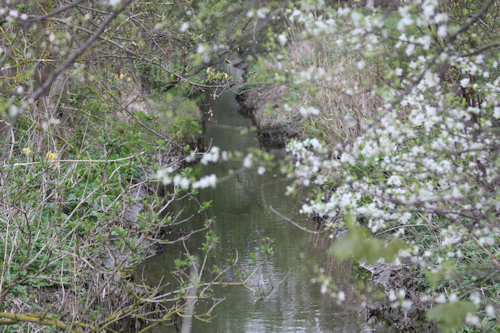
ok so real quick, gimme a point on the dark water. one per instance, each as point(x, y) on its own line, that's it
point(241, 209)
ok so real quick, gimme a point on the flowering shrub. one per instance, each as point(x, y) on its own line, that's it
point(419, 182)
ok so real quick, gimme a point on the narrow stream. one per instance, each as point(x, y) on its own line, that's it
point(240, 207)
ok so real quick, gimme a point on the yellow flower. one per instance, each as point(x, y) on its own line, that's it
point(27, 151)
point(57, 166)
point(129, 79)
point(276, 74)
point(121, 76)
point(51, 156)
point(286, 70)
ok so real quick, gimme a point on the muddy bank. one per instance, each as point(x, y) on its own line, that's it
point(270, 135)
point(398, 279)
point(102, 269)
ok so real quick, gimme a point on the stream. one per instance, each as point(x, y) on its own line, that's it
point(240, 206)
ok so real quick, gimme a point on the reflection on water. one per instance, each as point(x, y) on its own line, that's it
point(240, 206)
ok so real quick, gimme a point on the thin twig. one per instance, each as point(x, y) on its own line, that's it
point(296, 224)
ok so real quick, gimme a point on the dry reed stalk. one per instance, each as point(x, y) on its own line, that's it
point(342, 115)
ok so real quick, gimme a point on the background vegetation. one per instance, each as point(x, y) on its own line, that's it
point(96, 97)
point(397, 103)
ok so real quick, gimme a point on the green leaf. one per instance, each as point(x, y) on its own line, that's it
point(451, 315)
point(360, 247)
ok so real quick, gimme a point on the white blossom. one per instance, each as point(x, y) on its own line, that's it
point(464, 82)
point(440, 17)
point(441, 298)
point(191, 157)
point(184, 27)
point(471, 319)
point(212, 156)
point(201, 49)
point(164, 175)
point(180, 181)
point(475, 298)
point(247, 161)
point(282, 39)
point(262, 12)
point(392, 295)
point(410, 49)
point(406, 304)
point(204, 182)
point(307, 111)
point(442, 31)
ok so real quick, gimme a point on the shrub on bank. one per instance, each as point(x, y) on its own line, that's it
point(400, 113)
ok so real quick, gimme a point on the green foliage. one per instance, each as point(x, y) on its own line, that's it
point(188, 131)
point(356, 244)
point(215, 76)
point(293, 95)
point(361, 245)
point(204, 206)
point(266, 247)
point(181, 264)
point(450, 315)
point(212, 239)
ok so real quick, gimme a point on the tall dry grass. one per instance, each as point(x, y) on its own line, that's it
point(342, 93)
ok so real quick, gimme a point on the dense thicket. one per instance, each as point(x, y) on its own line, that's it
point(95, 97)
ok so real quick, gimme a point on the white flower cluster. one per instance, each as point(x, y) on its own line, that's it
point(204, 182)
point(165, 176)
point(431, 156)
point(211, 156)
point(182, 182)
point(312, 74)
point(282, 39)
point(398, 299)
point(308, 111)
point(247, 161)
point(184, 27)
point(451, 235)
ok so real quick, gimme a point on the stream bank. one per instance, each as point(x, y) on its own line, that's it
point(270, 136)
point(97, 219)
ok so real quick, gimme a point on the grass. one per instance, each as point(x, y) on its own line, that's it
point(341, 117)
point(66, 205)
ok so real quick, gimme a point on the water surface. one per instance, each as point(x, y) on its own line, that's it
point(241, 210)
